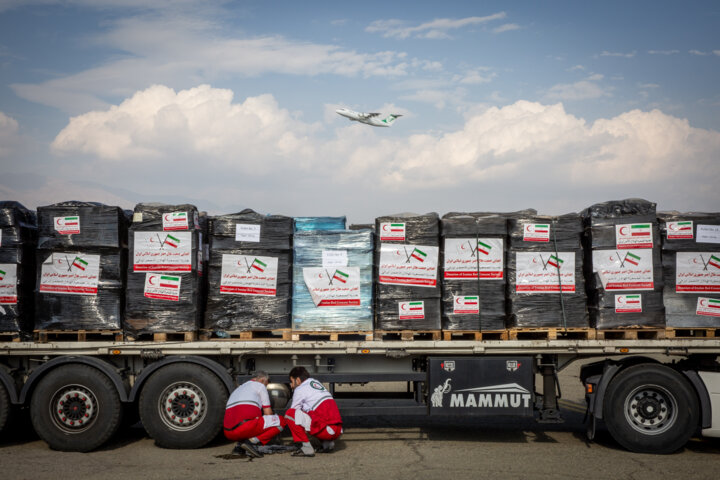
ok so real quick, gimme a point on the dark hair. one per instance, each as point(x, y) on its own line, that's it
point(299, 372)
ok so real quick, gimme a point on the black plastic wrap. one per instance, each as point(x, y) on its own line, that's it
point(158, 216)
point(564, 232)
point(14, 214)
point(362, 226)
point(99, 226)
point(275, 231)
point(419, 229)
point(113, 263)
point(630, 210)
point(155, 315)
point(694, 301)
point(679, 231)
point(491, 299)
point(18, 237)
point(682, 309)
point(388, 314)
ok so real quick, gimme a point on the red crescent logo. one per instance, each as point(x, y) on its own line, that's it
point(239, 264)
point(457, 300)
point(402, 306)
point(703, 303)
point(621, 299)
point(384, 227)
point(320, 275)
point(462, 246)
point(695, 260)
point(165, 217)
point(152, 239)
point(397, 252)
point(58, 221)
point(150, 279)
point(612, 259)
point(621, 230)
point(530, 228)
point(672, 226)
point(534, 260)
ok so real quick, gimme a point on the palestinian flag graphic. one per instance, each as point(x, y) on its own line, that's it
point(258, 265)
point(80, 263)
point(484, 248)
point(418, 254)
point(341, 276)
point(632, 258)
point(172, 241)
point(555, 261)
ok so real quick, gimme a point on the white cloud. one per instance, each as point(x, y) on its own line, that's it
point(663, 52)
point(605, 53)
point(475, 77)
point(435, 29)
point(698, 53)
point(648, 85)
point(582, 90)
point(9, 136)
point(508, 27)
point(716, 52)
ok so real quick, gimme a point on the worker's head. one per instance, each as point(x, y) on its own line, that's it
point(297, 376)
point(262, 377)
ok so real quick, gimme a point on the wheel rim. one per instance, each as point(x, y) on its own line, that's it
point(182, 406)
point(651, 409)
point(74, 408)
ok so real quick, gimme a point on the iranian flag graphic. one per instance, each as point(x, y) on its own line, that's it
point(80, 263)
point(640, 230)
point(166, 281)
point(397, 227)
point(71, 221)
point(2, 274)
point(555, 261)
point(714, 261)
point(258, 265)
point(484, 248)
point(341, 276)
point(418, 254)
point(632, 258)
point(542, 228)
point(172, 241)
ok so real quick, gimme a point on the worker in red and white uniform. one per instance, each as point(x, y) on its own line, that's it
point(249, 419)
point(314, 411)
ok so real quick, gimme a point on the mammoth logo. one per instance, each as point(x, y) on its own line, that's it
point(440, 390)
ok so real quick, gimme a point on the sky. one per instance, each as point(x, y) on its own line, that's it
point(231, 104)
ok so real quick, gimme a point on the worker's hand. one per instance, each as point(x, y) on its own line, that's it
point(267, 411)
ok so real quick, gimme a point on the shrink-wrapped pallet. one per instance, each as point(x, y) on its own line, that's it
point(73, 225)
point(250, 272)
point(18, 236)
point(311, 224)
point(407, 254)
point(332, 280)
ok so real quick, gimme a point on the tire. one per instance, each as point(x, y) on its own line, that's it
point(651, 409)
point(75, 408)
point(182, 405)
point(4, 407)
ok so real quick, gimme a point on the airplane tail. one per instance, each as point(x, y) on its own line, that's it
point(390, 119)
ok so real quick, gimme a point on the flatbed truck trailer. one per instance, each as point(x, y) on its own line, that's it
point(78, 392)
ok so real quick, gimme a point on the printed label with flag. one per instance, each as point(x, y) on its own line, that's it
point(333, 287)
point(536, 232)
point(392, 232)
point(679, 230)
point(175, 221)
point(414, 265)
point(466, 304)
point(697, 272)
point(70, 273)
point(67, 225)
point(633, 235)
point(708, 234)
point(624, 269)
point(709, 307)
point(8, 283)
point(463, 261)
point(411, 310)
point(545, 272)
point(161, 286)
point(249, 275)
point(628, 303)
point(247, 232)
point(162, 252)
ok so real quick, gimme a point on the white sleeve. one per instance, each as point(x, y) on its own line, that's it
point(297, 399)
point(264, 398)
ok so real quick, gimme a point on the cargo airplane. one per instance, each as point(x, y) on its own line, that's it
point(368, 118)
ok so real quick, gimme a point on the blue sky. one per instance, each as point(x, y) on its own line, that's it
point(506, 105)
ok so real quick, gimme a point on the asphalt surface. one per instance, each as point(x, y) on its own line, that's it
point(387, 448)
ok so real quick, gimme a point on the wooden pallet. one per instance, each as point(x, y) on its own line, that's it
point(407, 335)
point(700, 332)
point(631, 334)
point(332, 336)
point(277, 334)
point(551, 333)
point(162, 337)
point(474, 335)
point(10, 337)
point(45, 336)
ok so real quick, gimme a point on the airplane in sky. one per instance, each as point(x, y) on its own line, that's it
point(368, 118)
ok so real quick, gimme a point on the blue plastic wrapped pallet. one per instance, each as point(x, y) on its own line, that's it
point(18, 236)
point(311, 224)
point(691, 269)
point(250, 282)
point(333, 280)
point(163, 282)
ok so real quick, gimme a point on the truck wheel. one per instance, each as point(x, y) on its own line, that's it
point(651, 409)
point(182, 406)
point(75, 408)
point(4, 407)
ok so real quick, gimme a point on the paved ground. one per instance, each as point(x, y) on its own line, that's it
point(409, 448)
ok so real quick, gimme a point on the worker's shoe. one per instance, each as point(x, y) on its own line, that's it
point(306, 450)
point(327, 446)
point(250, 449)
point(238, 449)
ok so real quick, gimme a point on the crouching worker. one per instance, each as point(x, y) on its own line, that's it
point(249, 418)
point(314, 411)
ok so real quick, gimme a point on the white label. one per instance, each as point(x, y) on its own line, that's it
point(175, 221)
point(536, 232)
point(709, 307)
point(633, 235)
point(708, 234)
point(8, 283)
point(67, 225)
point(246, 232)
point(465, 257)
point(411, 310)
point(70, 273)
point(334, 258)
point(626, 270)
point(333, 287)
point(137, 217)
point(162, 252)
point(162, 286)
point(679, 230)
point(545, 272)
point(249, 275)
point(414, 265)
point(697, 272)
point(392, 232)
point(466, 304)
point(628, 303)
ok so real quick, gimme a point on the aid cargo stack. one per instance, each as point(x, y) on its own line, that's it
point(623, 267)
point(473, 271)
point(691, 268)
point(332, 277)
point(81, 261)
point(545, 278)
point(18, 237)
point(163, 284)
point(407, 290)
point(250, 273)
